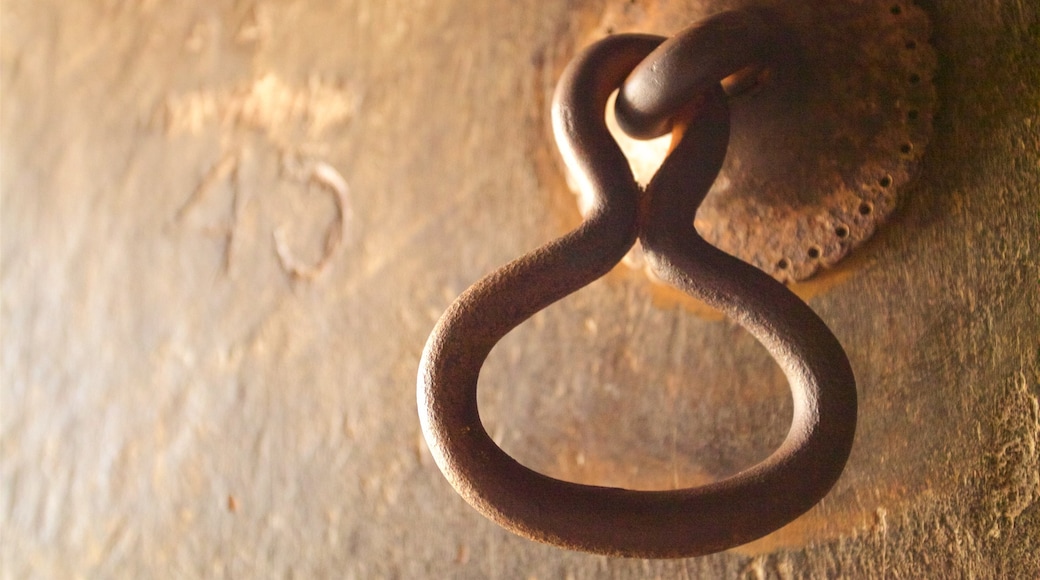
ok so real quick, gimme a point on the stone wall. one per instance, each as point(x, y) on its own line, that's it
point(228, 228)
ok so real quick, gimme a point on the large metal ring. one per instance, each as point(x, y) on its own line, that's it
point(685, 522)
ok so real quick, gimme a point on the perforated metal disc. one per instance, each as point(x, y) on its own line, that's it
point(822, 150)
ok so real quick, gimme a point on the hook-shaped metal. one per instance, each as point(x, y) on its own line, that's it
point(684, 522)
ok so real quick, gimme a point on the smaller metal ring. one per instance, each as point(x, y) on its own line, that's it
point(688, 64)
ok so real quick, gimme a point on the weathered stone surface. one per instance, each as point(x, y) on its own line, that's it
point(175, 399)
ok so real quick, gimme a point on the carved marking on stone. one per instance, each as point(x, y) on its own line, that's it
point(266, 103)
point(225, 170)
point(257, 26)
point(325, 176)
point(291, 120)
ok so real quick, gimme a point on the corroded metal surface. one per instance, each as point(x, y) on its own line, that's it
point(684, 522)
point(691, 63)
point(823, 149)
point(819, 156)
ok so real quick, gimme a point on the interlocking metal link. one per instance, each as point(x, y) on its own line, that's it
point(690, 63)
point(684, 522)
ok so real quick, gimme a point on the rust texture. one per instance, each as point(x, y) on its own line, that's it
point(820, 156)
point(676, 523)
point(159, 358)
point(824, 146)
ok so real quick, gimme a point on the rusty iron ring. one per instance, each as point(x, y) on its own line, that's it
point(728, 44)
point(614, 521)
point(803, 469)
point(520, 499)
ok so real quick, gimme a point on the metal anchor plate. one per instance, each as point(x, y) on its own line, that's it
point(823, 148)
